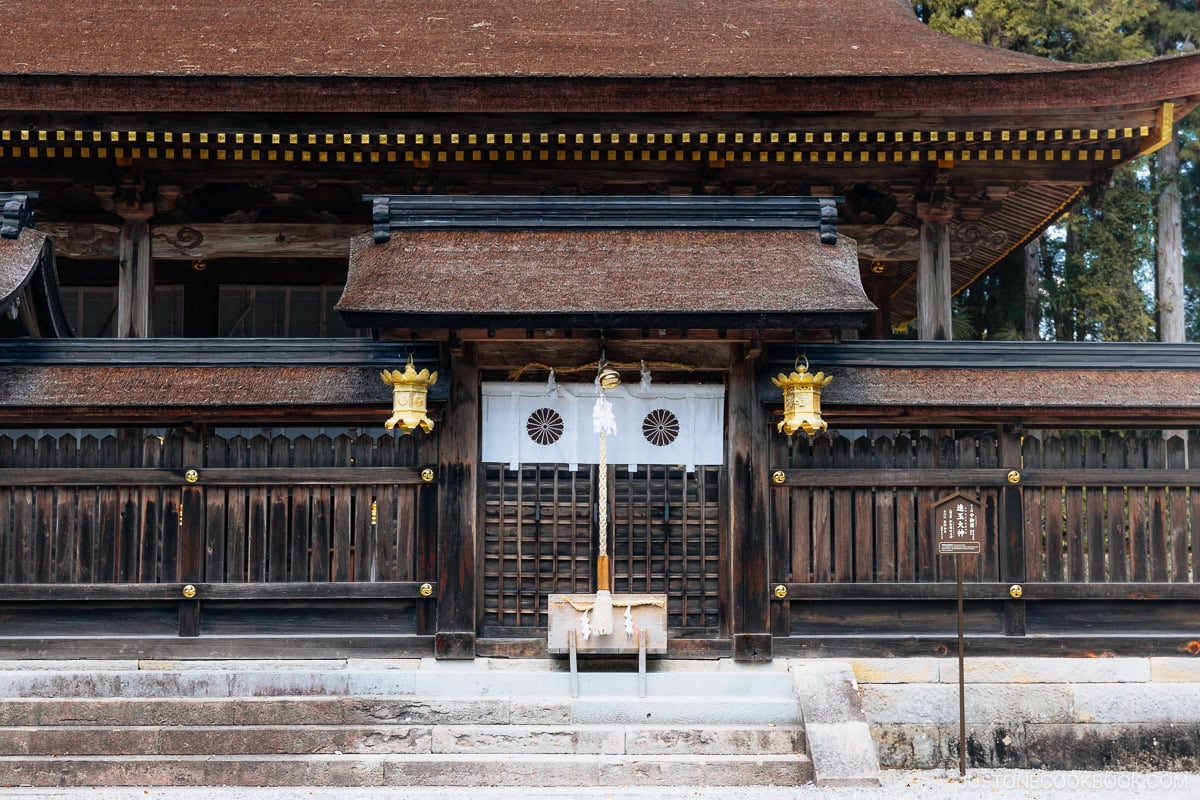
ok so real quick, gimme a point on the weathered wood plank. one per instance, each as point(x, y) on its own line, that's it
point(1118, 561)
point(259, 452)
point(1135, 498)
point(129, 449)
point(108, 536)
point(322, 513)
point(926, 541)
point(300, 519)
point(237, 515)
point(883, 455)
point(1178, 502)
point(1156, 456)
point(864, 519)
point(54, 592)
point(65, 545)
point(43, 516)
point(24, 522)
point(906, 521)
point(89, 539)
point(277, 515)
point(1033, 591)
point(216, 499)
point(259, 240)
point(1096, 559)
point(342, 535)
point(152, 527)
point(822, 529)
point(1032, 498)
point(213, 476)
point(8, 536)
point(366, 507)
point(1075, 532)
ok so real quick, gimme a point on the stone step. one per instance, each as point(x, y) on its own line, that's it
point(425, 682)
point(402, 710)
point(633, 740)
point(406, 770)
point(144, 740)
point(352, 710)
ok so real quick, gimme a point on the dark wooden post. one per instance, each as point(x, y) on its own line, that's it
point(747, 510)
point(191, 530)
point(457, 519)
point(1012, 533)
point(877, 281)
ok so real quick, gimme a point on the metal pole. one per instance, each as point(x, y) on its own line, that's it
point(962, 696)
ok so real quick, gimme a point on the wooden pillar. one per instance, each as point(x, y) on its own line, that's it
point(135, 281)
point(1169, 247)
point(933, 282)
point(747, 511)
point(457, 517)
point(1032, 322)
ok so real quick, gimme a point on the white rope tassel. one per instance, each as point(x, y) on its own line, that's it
point(604, 423)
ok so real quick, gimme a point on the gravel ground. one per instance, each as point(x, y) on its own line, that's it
point(919, 785)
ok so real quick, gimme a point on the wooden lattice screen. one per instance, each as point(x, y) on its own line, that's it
point(540, 537)
point(666, 539)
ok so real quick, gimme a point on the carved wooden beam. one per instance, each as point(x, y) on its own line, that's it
point(253, 241)
point(900, 243)
point(211, 240)
point(81, 240)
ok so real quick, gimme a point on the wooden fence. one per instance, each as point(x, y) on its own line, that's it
point(1082, 522)
point(132, 516)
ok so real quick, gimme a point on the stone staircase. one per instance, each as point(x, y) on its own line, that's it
point(396, 723)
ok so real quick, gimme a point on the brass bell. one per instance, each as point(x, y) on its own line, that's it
point(608, 378)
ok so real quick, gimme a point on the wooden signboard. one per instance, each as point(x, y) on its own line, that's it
point(957, 518)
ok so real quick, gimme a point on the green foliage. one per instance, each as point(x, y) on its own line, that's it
point(1066, 30)
point(1098, 268)
point(1095, 287)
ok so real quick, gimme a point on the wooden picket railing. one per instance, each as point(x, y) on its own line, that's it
point(1082, 523)
point(136, 517)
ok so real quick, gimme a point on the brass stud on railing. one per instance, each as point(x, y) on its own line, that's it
point(426, 589)
point(427, 474)
point(781, 591)
point(1015, 591)
point(778, 476)
point(189, 591)
point(1014, 476)
point(191, 476)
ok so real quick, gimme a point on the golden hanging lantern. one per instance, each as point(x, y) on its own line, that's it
point(802, 400)
point(410, 389)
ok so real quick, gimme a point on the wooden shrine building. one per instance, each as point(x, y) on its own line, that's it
point(222, 222)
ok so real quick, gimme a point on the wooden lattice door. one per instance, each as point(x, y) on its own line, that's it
point(540, 537)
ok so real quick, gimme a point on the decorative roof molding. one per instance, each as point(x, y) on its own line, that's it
point(647, 213)
point(15, 213)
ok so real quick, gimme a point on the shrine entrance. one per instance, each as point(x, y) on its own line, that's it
point(540, 537)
